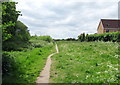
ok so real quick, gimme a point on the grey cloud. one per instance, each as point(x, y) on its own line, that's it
point(67, 19)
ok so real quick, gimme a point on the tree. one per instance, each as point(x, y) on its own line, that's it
point(22, 32)
point(81, 37)
point(9, 18)
point(15, 35)
point(87, 37)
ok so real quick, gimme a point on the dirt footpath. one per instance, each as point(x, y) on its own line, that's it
point(45, 74)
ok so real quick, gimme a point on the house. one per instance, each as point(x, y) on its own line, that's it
point(108, 25)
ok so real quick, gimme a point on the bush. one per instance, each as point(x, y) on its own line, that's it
point(82, 37)
point(8, 64)
point(40, 41)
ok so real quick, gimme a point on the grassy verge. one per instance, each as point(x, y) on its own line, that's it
point(25, 66)
point(85, 62)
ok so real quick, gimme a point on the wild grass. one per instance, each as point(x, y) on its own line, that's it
point(85, 62)
point(25, 66)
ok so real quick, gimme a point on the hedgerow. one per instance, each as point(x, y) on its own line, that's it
point(113, 36)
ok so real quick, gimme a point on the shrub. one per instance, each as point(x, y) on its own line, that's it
point(8, 64)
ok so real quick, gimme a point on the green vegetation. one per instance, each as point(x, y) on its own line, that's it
point(20, 39)
point(82, 37)
point(15, 34)
point(113, 36)
point(40, 41)
point(85, 62)
point(25, 66)
point(9, 18)
point(68, 39)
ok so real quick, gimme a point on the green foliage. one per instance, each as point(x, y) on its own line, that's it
point(8, 63)
point(69, 39)
point(5, 35)
point(114, 37)
point(85, 62)
point(20, 39)
point(44, 38)
point(9, 12)
point(15, 35)
point(81, 37)
point(9, 18)
point(22, 32)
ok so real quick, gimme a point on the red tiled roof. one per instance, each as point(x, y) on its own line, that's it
point(109, 23)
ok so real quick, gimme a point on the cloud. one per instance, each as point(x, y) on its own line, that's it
point(65, 18)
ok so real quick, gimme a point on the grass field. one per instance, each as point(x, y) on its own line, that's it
point(85, 62)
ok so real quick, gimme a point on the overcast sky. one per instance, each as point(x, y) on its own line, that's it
point(65, 18)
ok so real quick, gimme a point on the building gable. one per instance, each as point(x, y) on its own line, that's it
point(100, 28)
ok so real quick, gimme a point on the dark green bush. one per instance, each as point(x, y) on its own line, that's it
point(8, 64)
point(82, 37)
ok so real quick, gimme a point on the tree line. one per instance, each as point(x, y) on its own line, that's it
point(113, 37)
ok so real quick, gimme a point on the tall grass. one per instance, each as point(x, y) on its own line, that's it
point(25, 66)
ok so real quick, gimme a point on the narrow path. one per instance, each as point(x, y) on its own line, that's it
point(45, 74)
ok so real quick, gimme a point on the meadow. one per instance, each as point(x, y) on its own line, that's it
point(85, 62)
